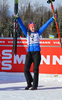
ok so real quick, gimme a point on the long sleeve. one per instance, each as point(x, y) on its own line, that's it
point(22, 27)
point(45, 26)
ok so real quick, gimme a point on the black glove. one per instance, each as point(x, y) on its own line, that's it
point(50, 1)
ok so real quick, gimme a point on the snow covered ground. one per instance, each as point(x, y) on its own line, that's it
point(12, 87)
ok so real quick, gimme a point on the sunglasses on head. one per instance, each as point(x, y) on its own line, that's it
point(31, 23)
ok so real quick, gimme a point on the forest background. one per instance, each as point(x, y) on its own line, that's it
point(29, 13)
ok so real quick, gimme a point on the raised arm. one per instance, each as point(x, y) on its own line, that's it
point(23, 28)
point(45, 25)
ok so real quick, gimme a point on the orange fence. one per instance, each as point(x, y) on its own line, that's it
point(51, 56)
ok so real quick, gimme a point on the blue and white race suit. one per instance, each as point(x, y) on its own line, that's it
point(34, 37)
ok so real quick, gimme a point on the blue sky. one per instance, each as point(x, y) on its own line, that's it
point(39, 2)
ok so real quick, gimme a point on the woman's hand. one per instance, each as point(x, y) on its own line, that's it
point(16, 15)
point(54, 16)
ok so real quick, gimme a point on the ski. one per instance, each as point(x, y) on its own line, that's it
point(52, 7)
point(15, 26)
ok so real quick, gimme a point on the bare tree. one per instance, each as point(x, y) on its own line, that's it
point(4, 17)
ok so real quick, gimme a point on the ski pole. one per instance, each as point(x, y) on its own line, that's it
point(50, 1)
